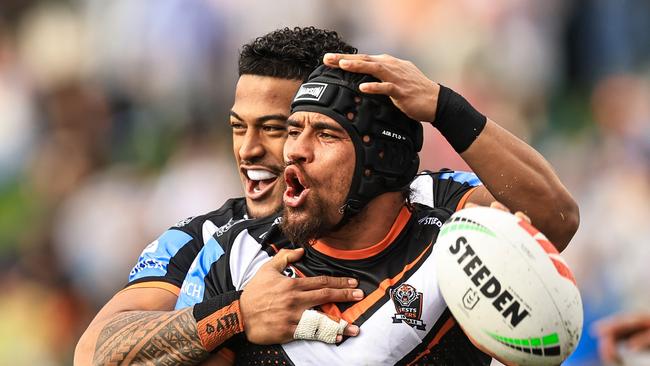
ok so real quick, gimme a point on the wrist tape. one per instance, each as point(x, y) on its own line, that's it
point(218, 319)
point(457, 120)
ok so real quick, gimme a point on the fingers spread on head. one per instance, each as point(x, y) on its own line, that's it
point(384, 57)
point(375, 69)
point(334, 59)
point(357, 56)
point(385, 88)
point(331, 57)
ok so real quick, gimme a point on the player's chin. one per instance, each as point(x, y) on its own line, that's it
point(295, 215)
point(302, 228)
point(263, 208)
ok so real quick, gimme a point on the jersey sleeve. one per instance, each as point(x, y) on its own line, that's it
point(193, 287)
point(445, 188)
point(166, 260)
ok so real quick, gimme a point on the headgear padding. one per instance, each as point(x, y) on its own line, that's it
point(386, 141)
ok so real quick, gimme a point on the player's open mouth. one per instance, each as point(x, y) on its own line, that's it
point(259, 182)
point(296, 192)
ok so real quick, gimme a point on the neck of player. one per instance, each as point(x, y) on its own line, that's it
point(370, 226)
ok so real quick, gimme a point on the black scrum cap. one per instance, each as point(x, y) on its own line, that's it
point(386, 141)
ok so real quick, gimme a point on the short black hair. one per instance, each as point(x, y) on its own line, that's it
point(290, 53)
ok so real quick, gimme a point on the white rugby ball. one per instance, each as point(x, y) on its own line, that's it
point(508, 287)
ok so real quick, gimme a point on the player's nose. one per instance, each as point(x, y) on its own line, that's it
point(299, 149)
point(252, 147)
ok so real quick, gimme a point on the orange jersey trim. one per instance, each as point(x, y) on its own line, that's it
point(464, 199)
point(356, 310)
point(395, 230)
point(155, 284)
point(330, 309)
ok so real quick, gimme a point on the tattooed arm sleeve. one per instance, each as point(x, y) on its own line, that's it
point(182, 337)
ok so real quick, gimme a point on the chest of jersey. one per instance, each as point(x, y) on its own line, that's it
point(402, 308)
point(402, 318)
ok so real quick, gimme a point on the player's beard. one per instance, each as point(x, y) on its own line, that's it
point(304, 224)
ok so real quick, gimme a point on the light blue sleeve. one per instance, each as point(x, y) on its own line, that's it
point(462, 177)
point(193, 286)
point(156, 256)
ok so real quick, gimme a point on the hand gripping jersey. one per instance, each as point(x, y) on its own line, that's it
point(403, 317)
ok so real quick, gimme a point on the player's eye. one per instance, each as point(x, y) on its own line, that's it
point(273, 128)
point(326, 136)
point(294, 132)
point(236, 125)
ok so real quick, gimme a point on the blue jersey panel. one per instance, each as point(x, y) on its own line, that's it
point(156, 256)
point(193, 285)
point(462, 177)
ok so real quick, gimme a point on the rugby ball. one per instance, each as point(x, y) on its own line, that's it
point(508, 287)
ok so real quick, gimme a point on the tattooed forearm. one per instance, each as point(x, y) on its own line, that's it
point(150, 338)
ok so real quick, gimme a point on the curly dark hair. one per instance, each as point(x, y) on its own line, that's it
point(290, 53)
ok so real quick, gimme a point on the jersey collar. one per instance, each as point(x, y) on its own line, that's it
point(399, 224)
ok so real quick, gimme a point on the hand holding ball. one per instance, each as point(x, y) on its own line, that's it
point(508, 287)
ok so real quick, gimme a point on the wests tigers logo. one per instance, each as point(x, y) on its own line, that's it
point(408, 304)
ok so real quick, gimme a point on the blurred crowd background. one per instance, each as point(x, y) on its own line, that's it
point(114, 125)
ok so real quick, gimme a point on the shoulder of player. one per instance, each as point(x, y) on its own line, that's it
point(189, 235)
point(426, 215)
point(232, 210)
point(255, 229)
point(459, 176)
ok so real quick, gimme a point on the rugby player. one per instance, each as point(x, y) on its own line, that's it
point(350, 159)
point(254, 135)
point(271, 68)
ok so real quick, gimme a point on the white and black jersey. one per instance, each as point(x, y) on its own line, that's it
point(397, 268)
point(403, 317)
point(178, 259)
point(444, 189)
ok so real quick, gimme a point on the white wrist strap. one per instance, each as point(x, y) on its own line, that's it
point(318, 327)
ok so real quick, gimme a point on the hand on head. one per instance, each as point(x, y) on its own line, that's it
point(410, 90)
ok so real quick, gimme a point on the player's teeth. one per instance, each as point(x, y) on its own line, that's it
point(257, 189)
point(259, 174)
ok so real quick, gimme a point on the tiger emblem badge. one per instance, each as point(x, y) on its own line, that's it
point(408, 306)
